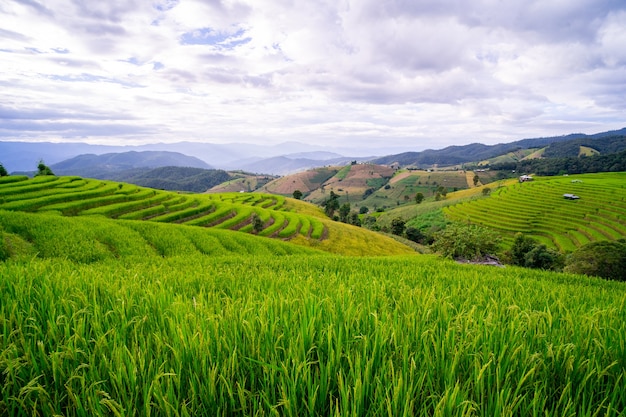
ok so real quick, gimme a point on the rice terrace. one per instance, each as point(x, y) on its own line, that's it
point(124, 300)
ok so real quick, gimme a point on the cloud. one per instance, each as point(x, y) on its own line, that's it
point(399, 71)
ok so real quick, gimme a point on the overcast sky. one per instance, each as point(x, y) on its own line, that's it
point(412, 73)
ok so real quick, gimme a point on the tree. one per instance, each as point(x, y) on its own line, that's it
point(43, 169)
point(370, 223)
point(606, 259)
point(414, 234)
point(476, 179)
point(297, 194)
point(364, 210)
point(521, 246)
point(344, 212)
point(354, 219)
point(419, 197)
point(3, 171)
point(529, 253)
point(466, 241)
point(397, 226)
point(257, 223)
point(542, 257)
point(486, 191)
point(331, 204)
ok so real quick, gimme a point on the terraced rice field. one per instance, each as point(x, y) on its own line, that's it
point(72, 196)
point(539, 210)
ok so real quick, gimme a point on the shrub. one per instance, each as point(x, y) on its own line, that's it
point(467, 241)
point(397, 226)
point(606, 259)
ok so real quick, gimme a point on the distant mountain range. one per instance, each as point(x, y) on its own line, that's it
point(559, 146)
point(280, 159)
point(24, 156)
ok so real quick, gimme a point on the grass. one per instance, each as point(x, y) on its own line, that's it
point(307, 336)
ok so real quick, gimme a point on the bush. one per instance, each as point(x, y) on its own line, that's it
point(529, 253)
point(466, 241)
point(606, 259)
point(397, 226)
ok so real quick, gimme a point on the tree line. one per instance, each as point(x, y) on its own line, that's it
point(614, 162)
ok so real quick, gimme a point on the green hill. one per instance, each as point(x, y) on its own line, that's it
point(539, 209)
point(114, 302)
point(260, 214)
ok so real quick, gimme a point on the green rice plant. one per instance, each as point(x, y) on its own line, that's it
point(279, 222)
point(539, 209)
point(292, 227)
point(36, 203)
point(317, 229)
point(307, 335)
point(243, 213)
point(12, 179)
point(221, 212)
point(26, 189)
point(73, 208)
point(181, 215)
point(115, 210)
point(144, 213)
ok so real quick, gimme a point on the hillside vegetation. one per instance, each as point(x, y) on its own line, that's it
point(260, 214)
point(539, 210)
point(305, 335)
point(107, 307)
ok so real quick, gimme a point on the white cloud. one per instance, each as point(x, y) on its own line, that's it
point(404, 72)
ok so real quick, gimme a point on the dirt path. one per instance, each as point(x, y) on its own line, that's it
point(469, 177)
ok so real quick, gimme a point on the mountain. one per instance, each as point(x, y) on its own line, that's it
point(107, 165)
point(195, 180)
point(454, 155)
point(284, 165)
point(24, 156)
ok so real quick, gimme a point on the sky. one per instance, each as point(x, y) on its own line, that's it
point(352, 73)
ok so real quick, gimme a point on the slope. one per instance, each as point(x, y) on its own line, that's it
point(539, 209)
point(260, 214)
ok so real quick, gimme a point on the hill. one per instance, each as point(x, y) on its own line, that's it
point(538, 209)
point(196, 180)
point(289, 164)
point(103, 166)
point(260, 214)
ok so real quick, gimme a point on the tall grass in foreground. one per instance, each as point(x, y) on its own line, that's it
point(307, 336)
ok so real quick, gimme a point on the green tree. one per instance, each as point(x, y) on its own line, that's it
point(466, 241)
point(476, 179)
point(414, 234)
point(43, 169)
point(354, 219)
point(542, 257)
point(297, 194)
point(364, 210)
point(257, 223)
point(3, 171)
point(521, 246)
point(606, 259)
point(419, 197)
point(397, 226)
point(344, 212)
point(486, 191)
point(331, 204)
point(529, 253)
point(370, 223)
